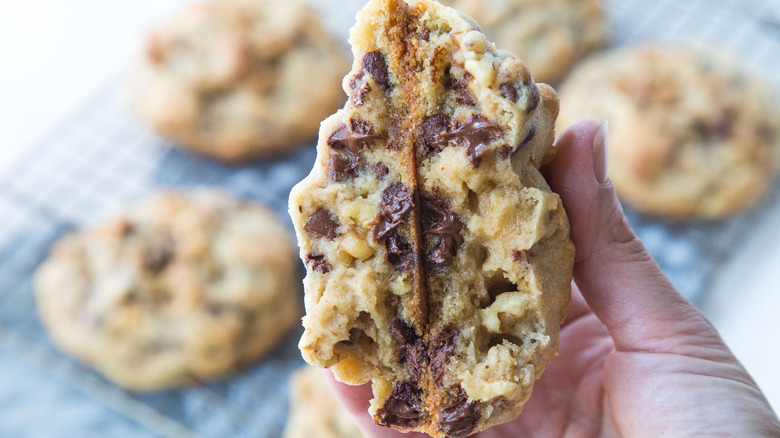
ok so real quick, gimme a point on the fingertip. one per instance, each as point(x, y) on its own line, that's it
point(578, 133)
point(355, 398)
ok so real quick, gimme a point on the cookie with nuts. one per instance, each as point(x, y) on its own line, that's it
point(180, 288)
point(239, 79)
point(439, 260)
point(693, 134)
point(550, 36)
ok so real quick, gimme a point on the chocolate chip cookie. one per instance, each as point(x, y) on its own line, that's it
point(314, 411)
point(439, 260)
point(181, 288)
point(548, 35)
point(237, 79)
point(692, 134)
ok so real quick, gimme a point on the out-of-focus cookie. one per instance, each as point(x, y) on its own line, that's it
point(237, 79)
point(314, 411)
point(439, 260)
point(181, 288)
point(548, 35)
point(692, 135)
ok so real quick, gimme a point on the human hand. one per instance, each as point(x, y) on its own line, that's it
point(636, 359)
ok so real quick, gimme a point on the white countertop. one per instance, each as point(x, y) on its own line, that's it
point(56, 54)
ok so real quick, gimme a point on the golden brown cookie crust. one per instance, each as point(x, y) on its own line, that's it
point(692, 134)
point(439, 262)
point(180, 288)
point(548, 35)
point(238, 79)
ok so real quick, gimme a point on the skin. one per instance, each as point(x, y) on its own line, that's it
point(636, 359)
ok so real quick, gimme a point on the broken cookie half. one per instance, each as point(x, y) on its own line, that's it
point(438, 259)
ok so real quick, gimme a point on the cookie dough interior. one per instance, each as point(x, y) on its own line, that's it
point(438, 258)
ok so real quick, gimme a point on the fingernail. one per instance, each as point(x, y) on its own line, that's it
point(600, 142)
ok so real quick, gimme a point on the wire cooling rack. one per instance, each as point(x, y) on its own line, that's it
point(100, 159)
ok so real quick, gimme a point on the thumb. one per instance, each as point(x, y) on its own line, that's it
point(619, 279)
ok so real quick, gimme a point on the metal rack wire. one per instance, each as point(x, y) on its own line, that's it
point(100, 159)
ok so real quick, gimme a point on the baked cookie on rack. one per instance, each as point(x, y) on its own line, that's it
point(238, 79)
point(314, 411)
point(548, 35)
point(180, 288)
point(692, 134)
point(439, 260)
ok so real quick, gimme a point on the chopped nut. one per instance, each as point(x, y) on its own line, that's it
point(356, 247)
point(361, 211)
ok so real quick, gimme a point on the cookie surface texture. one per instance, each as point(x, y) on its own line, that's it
point(438, 259)
point(692, 134)
point(180, 288)
point(548, 35)
point(238, 79)
point(314, 410)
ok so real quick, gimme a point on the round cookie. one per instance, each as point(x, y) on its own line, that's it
point(692, 135)
point(237, 79)
point(181, 288)
point(314, 410)
point(548, 35)
point(439, 260)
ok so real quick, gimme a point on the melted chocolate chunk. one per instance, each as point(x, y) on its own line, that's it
point(403, 407)
point(440, 220)
point(431, 128)
point(441, 348)
point(374, 62)
point(460, 418)
point(380, 170)
point(158, 257)
point(509, 90)
point(400, 253)
point(528, 137)
point(474, 134)
point(533, 100)
point(317, 262)
point(360, 89)
point(425, 35)
point(349, 141)
point(411, 348)
point(322, 224)
point(396, 204)
point(341, 166)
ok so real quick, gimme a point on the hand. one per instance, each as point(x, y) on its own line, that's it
point(636, 359)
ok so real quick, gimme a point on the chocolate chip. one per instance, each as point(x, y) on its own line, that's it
point(396, 204)
point(440, 351)
point(322, 224)
point(317, 262)
point(719, 128)
point(438, 219)
point(431, 127)
point(360, 89)
point(374, 62)
point(509, 91)
point(349, 141)
point(533, 99)
point(159, 256)
point(400, 253)
point(403, 407)
point(460, 88)
point(341, 166)
point(459, 419)
point(380, 170)
point(425, 35)
point(411, 348)
point(474, 134)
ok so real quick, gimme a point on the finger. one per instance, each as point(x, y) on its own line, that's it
point(620, 281)
point(356, 400)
